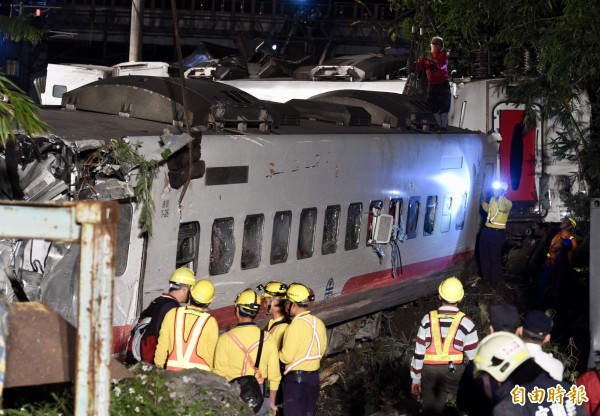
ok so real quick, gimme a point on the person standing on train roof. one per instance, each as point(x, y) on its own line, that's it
point(446, 335)
point(435, 64)
point(141, 345)
point(188, 335)
point(239, 352)
point(304, 344)
point(554, 279)
point(491, 238)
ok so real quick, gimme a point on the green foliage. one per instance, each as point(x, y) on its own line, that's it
point(59, 405)
point(17, 111)
point(125, 154)
point(18, 29)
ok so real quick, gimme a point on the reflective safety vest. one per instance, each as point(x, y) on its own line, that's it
point(436, 353)
point(497, 218)
point(184, 353)
point(315, 338)
point(248, 359)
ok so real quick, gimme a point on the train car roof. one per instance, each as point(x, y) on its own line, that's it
point(131, 106)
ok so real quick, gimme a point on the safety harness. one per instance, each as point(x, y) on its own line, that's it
point(247, 358)
point(184, 353)
point(315, 337)
point(436, 353)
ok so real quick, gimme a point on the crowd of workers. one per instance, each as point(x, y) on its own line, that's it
point(277, 368)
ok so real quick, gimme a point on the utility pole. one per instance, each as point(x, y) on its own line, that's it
point(135, 37)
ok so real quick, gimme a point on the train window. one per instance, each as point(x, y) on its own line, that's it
point(462, 212)
point(430, 209)
point(252, 242)
point(281, 236)
point(188, 240)
point(447, 213)
point(222, 247)
point(123, 234)
point(414, 206)
point(395, 211)
point(330, 229)
point(306, 234)
point(374, 211)
point(353, 226)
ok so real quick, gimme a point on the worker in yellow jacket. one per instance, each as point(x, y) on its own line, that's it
point(188, 334)
point(304, 344)
point(274, 297)
point(237, 350)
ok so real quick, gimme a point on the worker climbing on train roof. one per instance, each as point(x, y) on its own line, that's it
point(555, 279)
point(435, 64)
point(246, 351)
point(275, 298)
point(189, 334)
point(304, 344)
point(491, 238)
point(144, 335)
point(524, 388)
point(446, 335)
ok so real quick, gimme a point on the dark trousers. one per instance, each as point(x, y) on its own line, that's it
point(438, 97)
point(491, 241)
point(300, 393)
point(438, 386)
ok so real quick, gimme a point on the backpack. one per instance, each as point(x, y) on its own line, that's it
point(144, 335)
point(250, 390)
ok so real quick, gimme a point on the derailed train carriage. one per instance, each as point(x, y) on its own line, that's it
point(355, 199)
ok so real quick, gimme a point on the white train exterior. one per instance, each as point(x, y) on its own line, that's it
point(272, 200)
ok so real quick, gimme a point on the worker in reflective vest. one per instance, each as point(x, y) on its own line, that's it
point(491, 239)
point(237, 351)
point(188, 334)
point(304, 343)
point(445, 337)
point(275, 297)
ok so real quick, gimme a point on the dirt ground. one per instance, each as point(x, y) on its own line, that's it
point(373, 378)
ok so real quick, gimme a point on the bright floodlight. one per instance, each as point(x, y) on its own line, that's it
point(274, 47)
point(496, 185)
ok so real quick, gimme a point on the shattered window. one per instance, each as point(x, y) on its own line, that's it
point(414, 206)
point(123, 234)
point(353, 226)
point(430, 209)
point(396, 211)
point(222, 247)
point(281, 237)
point(374, 212)
point(306, 234)
point(252, 242)
point(462, 212)
point(330, 229)
point(187, 245)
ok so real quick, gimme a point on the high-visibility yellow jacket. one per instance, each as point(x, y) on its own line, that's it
point(498, 210)
point(277, 328)
point(304, 343)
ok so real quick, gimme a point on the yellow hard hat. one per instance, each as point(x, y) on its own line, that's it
point(499, 354)
point(183, 276)
point(248, 301)
point(451, 290)
point(298, 293)
point(203, 291)
point(571, 220)
point(275, 289)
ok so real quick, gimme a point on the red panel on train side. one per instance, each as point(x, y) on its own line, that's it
point(517, 156)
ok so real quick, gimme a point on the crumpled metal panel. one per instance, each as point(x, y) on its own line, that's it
point(161, 99)
point(41, 348)
point(386, 108)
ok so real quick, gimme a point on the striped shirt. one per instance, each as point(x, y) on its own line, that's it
point(466, 339)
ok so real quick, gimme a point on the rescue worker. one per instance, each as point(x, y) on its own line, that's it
point(491, 239)
point(141, 345)
point(435, 63)
point(559, 264)
point(445, 337)
point(237, 350)
point(524, 388)
point(535, 332)
point(188, 334)
point(275, 299)
point(304, 343)
point(475, 394)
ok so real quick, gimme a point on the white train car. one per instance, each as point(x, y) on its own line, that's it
point(303, 192)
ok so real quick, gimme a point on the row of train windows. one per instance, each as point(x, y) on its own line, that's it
point(223, 244)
